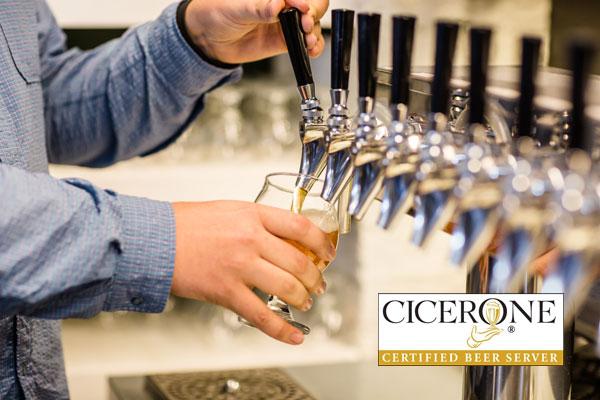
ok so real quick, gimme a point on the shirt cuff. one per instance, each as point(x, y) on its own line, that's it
point(178, 63)
point(144, 272)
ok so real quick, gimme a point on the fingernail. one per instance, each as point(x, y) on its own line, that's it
point(296, 337)
point(321, 289)
point(332, 251)
point(307, 304)
point(311, 26)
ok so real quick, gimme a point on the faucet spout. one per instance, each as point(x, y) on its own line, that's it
point(437, 176)
point(367, 152)
point(400, 163)
point(312, 135)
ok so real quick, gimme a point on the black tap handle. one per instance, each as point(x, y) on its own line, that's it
point(581, 54)
point(294, 39)
point(529, 66)
point(342, 23)
point(480, 54)
point(445, 46)
point(368, 46)
point(403, 32)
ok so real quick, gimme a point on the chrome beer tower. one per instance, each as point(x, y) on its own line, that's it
point(312, 125)
point(368, 147)
point(508, 172)
point(403, 144)
point(340, 135)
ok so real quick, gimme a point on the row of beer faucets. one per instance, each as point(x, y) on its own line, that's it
point(522, 191)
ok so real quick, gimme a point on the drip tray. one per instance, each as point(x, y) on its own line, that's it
point(255, 384)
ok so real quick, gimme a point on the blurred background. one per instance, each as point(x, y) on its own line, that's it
point(247, 131)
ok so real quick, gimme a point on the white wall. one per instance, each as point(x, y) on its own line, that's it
point(105, 13)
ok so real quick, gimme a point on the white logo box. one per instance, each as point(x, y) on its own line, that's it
point(414, 332)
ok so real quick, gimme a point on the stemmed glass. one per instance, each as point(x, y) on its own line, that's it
point(280, 190)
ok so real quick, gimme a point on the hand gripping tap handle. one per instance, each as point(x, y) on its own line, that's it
point(403, 32)
point(341, 47)
point(294, 39)
point(480, 52)
point(445, 47)
point(368, 48)
point(529, 66)
point(581, 55)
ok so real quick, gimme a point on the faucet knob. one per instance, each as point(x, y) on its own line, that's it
point(529, 66)
point(480, 53)
point(368, 49)
point(341, 47)
point(294, 39)
point(582, 51)
point(403, 32)
point(445, 47)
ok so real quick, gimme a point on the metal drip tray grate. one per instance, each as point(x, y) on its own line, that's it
point(586, 375)
point(255, 384)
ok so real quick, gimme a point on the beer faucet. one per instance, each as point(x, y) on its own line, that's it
point(482, 169)
point(578, 202)
point(312, 126)
point(369, 147)
point(528, 191)
point(437, 174)
point(403, 145)
point(339, 135)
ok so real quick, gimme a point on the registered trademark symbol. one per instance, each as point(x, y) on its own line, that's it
point(511, 329)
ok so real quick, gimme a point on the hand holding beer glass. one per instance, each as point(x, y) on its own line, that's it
point(280, 190)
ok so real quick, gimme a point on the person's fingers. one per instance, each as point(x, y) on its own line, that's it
point(255, 311)
point(315, 34)
point(311, 41)
point(317, 49)
point(292, 260)
point(308, 21)
point(320, 7)
point(273, 280)
point(296, 227)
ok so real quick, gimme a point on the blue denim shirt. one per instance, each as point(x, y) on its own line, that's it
point(67, 248)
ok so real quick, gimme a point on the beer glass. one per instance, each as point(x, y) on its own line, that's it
point(280, 190)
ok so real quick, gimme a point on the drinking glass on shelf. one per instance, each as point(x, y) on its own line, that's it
point(279, 190)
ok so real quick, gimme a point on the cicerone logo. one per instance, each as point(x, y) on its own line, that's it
point(470, 329)
point(492, 312)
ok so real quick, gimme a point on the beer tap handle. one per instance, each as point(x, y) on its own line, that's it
point(445, 47)
point(529, 66)
point(581, 54)
point(341, 47)
point(480, 52)
point(403, 31)
point(368, 48)
point(294, 39)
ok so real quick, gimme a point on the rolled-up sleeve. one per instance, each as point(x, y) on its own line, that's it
point(129, 97)
point(69, 249)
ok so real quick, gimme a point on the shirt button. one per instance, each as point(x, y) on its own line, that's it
point(136, 301)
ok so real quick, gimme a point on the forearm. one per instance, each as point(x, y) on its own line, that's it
point(129, 97)
point(69, 249)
